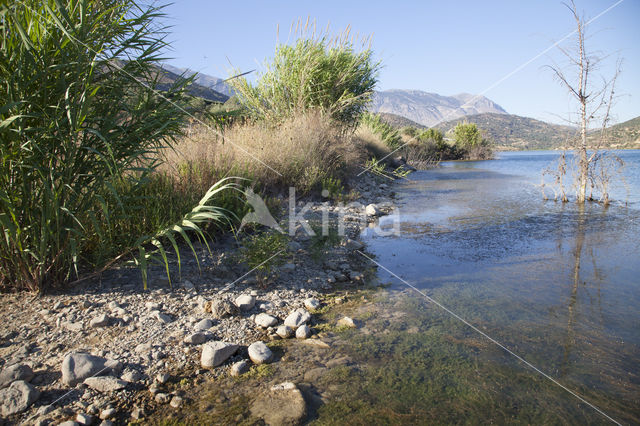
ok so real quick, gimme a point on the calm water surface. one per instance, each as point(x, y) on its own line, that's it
point(557, 283)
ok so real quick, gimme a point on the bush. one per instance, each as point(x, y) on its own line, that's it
point(80, 135)
point(469, 140)
point(315, 73)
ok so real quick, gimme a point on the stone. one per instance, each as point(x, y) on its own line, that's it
point(162, 398)
point(204, 325)
point(69, 423)
point(106, 423)
point(303, 332)
point(215, 353)
point(245, 302)
point(163, 378)
point(265, 320)
point(346, 322)
point(131, 376)
point(100, 321)
point(138, 413)
point(107, 413)
point(78, 366)
point(195, 339)
point(17, 398)
point(105, 383)
point(152, 306)
point(221, 308)
point(311, 303)
point(14, 373)
point(372, 210)
point(260, 353)
point(176, 402)
point(162, 317)
point(284, 405)
point(284, 331)
point(239, 368)
point(188, 285)
point(297, 318)
point(84, 419)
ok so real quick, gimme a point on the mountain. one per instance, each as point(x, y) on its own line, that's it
point(399, 121)
point(169, 77)
point(213, 83)
point(513, 132)
point(430, 108)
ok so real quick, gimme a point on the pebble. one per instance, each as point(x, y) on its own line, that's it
point(346, 322)
point(311, 303)
point(245, 302)
point(265, 320)
point(204, 325)
point(195, 339)
point(105, 383)
point(84, 419)
point(176, 402)
point(100, 321)
point(284, 331)
point(107, 413)
point(162, 398)
point(297, 318)
point(239, 368)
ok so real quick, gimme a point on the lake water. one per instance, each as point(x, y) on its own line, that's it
point(556, 283)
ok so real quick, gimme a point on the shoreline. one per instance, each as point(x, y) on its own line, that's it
point(149, 342)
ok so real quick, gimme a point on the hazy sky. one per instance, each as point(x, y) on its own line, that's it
point(445, 47)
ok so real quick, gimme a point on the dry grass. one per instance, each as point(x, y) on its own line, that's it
point(300, 153)
point(372, 142)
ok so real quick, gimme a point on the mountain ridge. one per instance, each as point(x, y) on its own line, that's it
point(428, 108)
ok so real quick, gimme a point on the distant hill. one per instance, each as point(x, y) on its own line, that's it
point(623, 135)
point(210, 82)
point(399, 121)
point(429, 109)
point(168, 78)
point(513, 132)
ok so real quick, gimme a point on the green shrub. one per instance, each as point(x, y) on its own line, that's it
point(314, 73)
point(81, 129)
point(468, 139)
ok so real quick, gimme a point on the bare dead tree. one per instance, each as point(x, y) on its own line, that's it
point(594, 101)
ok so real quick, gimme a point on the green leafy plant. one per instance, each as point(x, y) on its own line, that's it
point(81, 128)
point(316, 72)
point(262, 252)
point(387, 133)
point(334, 188)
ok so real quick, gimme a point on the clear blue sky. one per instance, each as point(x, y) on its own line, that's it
point(435, 46)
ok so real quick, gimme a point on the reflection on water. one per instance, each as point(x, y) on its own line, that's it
point(557, 283)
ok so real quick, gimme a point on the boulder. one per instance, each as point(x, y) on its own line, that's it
point(260, 353)
point(204, 325)
point(14, 373)
point(78, 366)
point(283, 405)
point(284, 331)
point(195, 338)
point(311, 303)
point(221, 308)
point(17, 398)
point(239, 368)
point(215, 353)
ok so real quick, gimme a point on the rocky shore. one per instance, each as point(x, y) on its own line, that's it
point(109, 352)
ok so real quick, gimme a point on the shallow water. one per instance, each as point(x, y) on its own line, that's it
point(557, 284)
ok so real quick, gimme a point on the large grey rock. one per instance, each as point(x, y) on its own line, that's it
point(297, 318)
point(265, 320)
point(260, 353)
point(284, 405)
point(245, 302)
point(14, 373)
point(17, 398)
point(78, 366)
point(303, 332)
point(105, 383)
point(215, 353)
